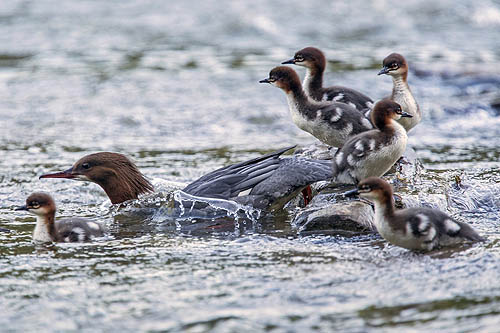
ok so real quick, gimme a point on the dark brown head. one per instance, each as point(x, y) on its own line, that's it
point(394, 65)
point(284, 78)
point(115, 173)
point(375, 189)
point(309, 57)
point(385, 111)
point(40, 204)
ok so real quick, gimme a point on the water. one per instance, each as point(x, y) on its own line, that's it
point(175, 86)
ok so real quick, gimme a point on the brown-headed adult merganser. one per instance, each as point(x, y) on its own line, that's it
point(330, 122)
point(315, 63)
point(374, 152)
point(270, 181)
point(416, 228)
point(48, 229)
point(396, 66)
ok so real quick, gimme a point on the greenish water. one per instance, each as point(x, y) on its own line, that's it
point(175, 86)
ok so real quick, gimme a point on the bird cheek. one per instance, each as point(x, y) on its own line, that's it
point(280, 85)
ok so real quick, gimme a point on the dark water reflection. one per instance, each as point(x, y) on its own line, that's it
point(174, 85)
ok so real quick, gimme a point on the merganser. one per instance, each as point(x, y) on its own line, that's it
point(270, 181)
point(47, 229)
point(416, 228)
point(315, 62)
point(330, 122)
point(396, 66)
point(374, 152)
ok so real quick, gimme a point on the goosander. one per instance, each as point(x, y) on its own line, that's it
point(396, 66)
point(331, 122)
point(47, 229)
point(267, 182)
point(315, 62)
point(374, 152)
point(412, 228)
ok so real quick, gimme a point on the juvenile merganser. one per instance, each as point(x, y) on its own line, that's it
point(315, 62)
point(396, 66)
point(412, 228)
point(374, 152)
point(330, 122)
point(270, 181)
point(47, 229)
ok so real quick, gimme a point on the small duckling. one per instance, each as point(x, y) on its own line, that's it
point(395, 65)
point(372, 153)
point(416, 228)
point(315, 62)
point(47, 229)
point(332, 123)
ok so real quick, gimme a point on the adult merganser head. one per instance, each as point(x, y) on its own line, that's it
point(413, 228)
point(115, 173)
point(47, 229)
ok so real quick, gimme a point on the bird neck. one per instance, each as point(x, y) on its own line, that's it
point(313, 82)
point(45, 230)
point(400, 85)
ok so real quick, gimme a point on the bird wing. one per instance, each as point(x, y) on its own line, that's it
point(229, 181)
point(347, 95)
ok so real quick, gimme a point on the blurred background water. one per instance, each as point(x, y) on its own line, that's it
point(175, 86)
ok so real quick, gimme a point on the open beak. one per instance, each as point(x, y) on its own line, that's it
point(265, 81)
point(351, 193)
point(21, 208)
point(291, 61)
point(384, 70)
point(406, 114)
point(63, 174)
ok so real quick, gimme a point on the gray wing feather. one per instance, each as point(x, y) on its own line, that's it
point(228, 181)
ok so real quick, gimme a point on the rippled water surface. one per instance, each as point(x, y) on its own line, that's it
point(175, 86)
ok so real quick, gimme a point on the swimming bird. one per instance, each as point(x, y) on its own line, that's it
point(331, 122)
point(416, 228)
point(396, 66)
point(315, 62)
point(266, 182)
point(374, 152)
point(48, 229)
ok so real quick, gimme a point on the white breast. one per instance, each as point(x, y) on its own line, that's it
point(379, 161)
point(41, 233)
point(399, 237)
point(315, 126)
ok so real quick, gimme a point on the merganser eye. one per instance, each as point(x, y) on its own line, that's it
point(86, 166)
point(365, 188)
point(299, 58)
point(35, 204)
